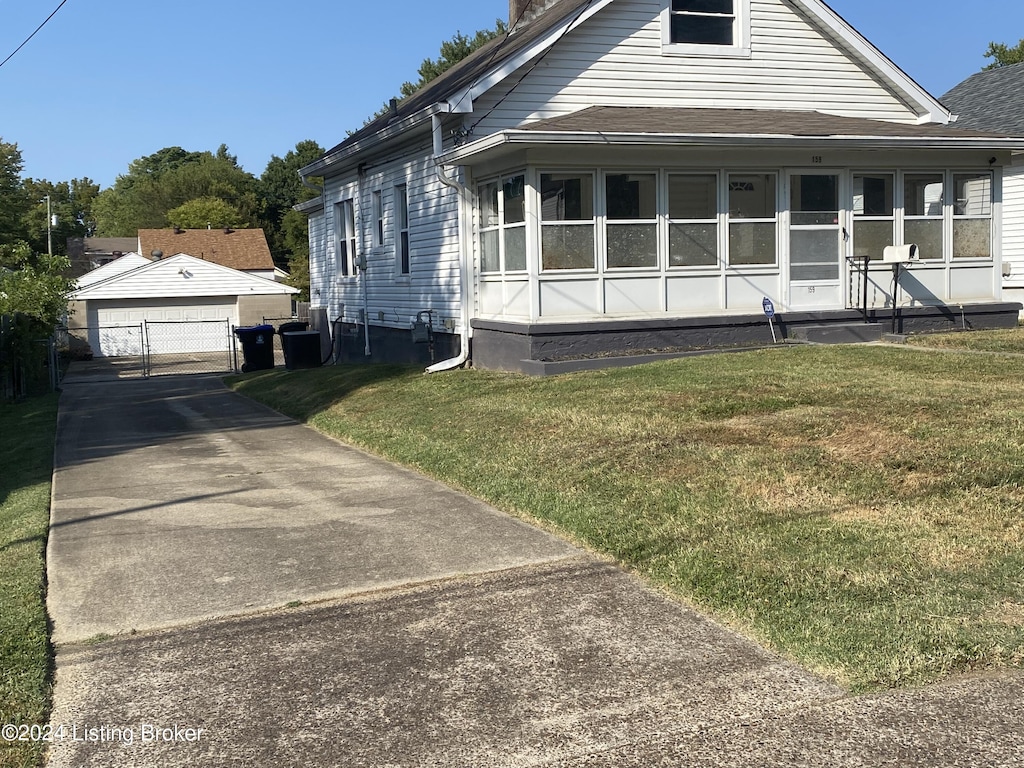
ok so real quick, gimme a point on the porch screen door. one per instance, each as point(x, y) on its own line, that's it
point(814, 229)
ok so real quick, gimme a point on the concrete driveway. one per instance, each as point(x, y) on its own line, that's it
point(230, 588)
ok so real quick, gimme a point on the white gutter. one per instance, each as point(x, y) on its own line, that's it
point(465, 253)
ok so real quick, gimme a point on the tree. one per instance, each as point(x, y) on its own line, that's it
point(14, 201)
point(286, 230)
point(34, 285)
point(1003, 55)
point(165, 180)
point(205, 212)
point(452, 52)
point(71, 202)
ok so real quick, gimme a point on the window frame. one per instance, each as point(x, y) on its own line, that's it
point(639, 221)
point(378, 218)
point(502, 226)
point(592, 222)
point(345, 235)
point(731, 220)
point(740, 47)
point(939, 218)
point(403, 255)
point(715, 220)
point(873, 218)
point(966, 216)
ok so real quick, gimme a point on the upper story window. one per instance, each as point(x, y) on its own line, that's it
point(706, 27)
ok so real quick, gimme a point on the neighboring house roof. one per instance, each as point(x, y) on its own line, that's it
point(118, 266)
point(84, 252)
point(244, 249)
point(454, 90)
point(180, 276)
point(991, 100)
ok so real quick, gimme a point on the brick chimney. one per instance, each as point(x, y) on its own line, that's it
point(526, 10)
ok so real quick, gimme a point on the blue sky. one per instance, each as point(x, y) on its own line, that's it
point(109, 81)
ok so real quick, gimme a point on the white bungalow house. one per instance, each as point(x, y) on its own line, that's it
point(625, 175)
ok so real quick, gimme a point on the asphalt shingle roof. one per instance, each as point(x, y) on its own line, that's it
point(992, 100)
point(242, 249)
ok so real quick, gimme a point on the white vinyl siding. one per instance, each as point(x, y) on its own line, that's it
point(1013, 224)
point(616, 59)
point(433, 278)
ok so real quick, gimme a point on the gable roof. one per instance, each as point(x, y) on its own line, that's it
point(991, 100)
point(118, 266)
point(181, 276)
point(244, 249)
point(454, 90)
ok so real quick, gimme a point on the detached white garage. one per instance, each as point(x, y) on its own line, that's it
point(176, 305)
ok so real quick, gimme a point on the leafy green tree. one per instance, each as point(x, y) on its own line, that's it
point(452, 52)
point(165, 180)
point(71, 202)
point(281, 188)
point(205, 212)
point(33, 284)
point(14, 201)
point(1004, 55)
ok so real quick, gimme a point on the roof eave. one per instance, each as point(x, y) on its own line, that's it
point(345, 155)
point(526, 139)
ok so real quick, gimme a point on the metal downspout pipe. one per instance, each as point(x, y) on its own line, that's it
point(465, 254)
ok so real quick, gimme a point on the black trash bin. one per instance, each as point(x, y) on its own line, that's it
point(301, 349)
point(257, 347)
point(291, 327)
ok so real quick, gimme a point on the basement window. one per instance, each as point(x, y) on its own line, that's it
point(706, 27)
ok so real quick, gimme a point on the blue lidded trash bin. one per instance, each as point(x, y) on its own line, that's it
point(257, 347)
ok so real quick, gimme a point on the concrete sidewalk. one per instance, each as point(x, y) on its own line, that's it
point(230, 588)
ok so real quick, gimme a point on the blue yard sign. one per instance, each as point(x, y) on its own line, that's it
point(769, 312)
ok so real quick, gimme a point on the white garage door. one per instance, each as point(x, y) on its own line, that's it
point(172, 326)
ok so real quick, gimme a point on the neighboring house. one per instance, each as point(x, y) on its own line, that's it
point(242, 249)
point(993, 100)
point(110, 304)
point(622, 175)
point(89, 253)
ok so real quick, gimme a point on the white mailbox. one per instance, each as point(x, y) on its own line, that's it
point(900, 254)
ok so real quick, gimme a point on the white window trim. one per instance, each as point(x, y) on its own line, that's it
point(400, 191)
point(741, 36)
point(342, 233)
point(378, 218)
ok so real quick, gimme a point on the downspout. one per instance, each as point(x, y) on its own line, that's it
point(465, 253)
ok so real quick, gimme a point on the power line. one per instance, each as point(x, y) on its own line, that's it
point(34, 33)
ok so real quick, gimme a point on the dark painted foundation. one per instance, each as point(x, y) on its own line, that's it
point(542, 348)
point(393, 345)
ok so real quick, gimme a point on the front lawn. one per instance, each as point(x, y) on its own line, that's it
point(1008, 340)
point(26, 461)
point(856, 508)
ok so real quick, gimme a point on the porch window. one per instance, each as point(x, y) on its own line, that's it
point(345, 237)
point(874, 214)
point(693, 220)
point(402, 233)
point(753, 219)
point(972, 216)
point(567, 220)
point(631, 231)
point(923, 201)
point(503, 225)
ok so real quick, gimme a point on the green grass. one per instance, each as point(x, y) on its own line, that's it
point(1008, 340)
point(857, 509)
point(26, 459)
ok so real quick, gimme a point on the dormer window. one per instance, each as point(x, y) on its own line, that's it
point(706, 27)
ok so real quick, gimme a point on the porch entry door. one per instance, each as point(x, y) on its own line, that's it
point(815, 240)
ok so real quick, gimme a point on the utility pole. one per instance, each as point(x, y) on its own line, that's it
point(49, 228)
